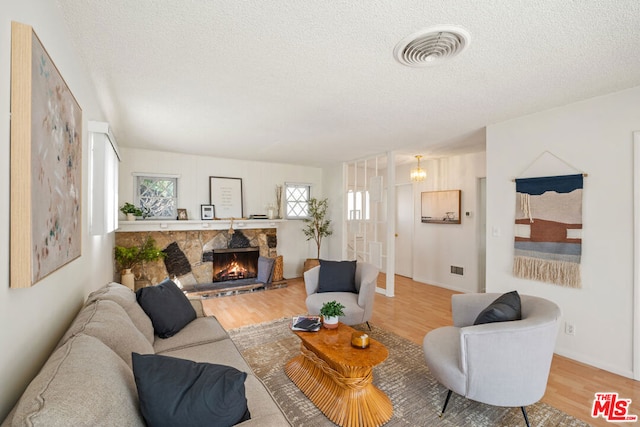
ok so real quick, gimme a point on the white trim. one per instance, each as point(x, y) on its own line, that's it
point(156, 175)
point(636, 255)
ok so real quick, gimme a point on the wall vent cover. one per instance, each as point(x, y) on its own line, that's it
point(431, 46)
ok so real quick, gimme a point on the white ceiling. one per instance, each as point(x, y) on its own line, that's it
point(315, 82)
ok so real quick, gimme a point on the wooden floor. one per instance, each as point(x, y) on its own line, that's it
point(415, 310)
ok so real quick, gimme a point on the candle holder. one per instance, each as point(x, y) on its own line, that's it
point(359, 339)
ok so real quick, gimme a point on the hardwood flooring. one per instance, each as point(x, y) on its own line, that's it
point(416, 309)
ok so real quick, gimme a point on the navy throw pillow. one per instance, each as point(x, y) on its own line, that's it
point(505, 308)
point(337, 276)
point(181, 392)
point(167, 307)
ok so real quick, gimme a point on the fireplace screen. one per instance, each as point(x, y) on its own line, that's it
point(235, 264)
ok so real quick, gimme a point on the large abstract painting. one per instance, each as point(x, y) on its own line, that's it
point(46, 163)
point(548, 235)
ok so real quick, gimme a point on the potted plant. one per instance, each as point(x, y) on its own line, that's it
point(317, 226)
point(128, 258)
point(130, 211)
point(330, 312)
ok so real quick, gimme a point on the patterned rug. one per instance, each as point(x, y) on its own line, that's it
point(416, 396)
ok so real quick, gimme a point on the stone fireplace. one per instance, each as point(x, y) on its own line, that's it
point(192, 256)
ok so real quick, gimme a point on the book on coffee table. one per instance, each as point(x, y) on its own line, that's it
point(306, 323)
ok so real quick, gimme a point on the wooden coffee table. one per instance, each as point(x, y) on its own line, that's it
point(337, 377)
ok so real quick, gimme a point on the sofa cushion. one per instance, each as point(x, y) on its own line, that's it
point(84, 383)
point(223, 352)
point(199, 331)
point(504, 308)
point(337, 276)
point(108, 322)
point(127, 299)
point(182, 392)
point(167, 307)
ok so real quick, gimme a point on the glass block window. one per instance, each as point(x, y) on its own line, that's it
point(158, 195)
point(296, 198)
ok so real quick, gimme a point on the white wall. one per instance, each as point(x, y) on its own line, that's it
point(594, 136)
point(34, 319)
point(259, 180)
point(436, 247)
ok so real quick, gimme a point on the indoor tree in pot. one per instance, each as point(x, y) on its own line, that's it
point(317, 226)
point(128, 258)
point(330, 312)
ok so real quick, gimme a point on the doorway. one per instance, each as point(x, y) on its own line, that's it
point(404, 230)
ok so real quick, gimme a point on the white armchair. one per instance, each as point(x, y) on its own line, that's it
point(501, 364)
point(358, 306)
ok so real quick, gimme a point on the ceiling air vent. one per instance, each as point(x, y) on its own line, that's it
point(431, 46)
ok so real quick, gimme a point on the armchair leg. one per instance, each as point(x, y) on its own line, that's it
point(446, 402)
point(524, 412)
point(369, 325)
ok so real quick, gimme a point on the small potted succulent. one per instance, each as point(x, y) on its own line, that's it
point(131, 211)
point(330, 312)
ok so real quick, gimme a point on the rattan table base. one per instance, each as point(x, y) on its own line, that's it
point(340, 386)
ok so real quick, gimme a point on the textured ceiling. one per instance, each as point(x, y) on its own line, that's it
point(315, 82)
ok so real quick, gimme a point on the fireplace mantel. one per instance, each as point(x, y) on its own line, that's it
point(190, 225)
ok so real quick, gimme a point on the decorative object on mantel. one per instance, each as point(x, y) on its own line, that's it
point(207, 212)
point(130, 211)
point(279, 200)
point(226, 195)
point(128, 258)
point(317, 227)
point(418, 174)
point(548, 229)
point(182, 215)
point(46, 163)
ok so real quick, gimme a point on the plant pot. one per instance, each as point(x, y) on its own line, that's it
point(131, 217)
point(310, 263)
point(128, 279)
point(330, 322)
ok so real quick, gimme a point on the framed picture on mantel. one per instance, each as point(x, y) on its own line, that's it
point(226, 196)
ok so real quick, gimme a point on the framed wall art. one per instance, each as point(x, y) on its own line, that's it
point(441, 207)
point(226, 196)
point(182, 214)
point(46, 163)
point(207, 212)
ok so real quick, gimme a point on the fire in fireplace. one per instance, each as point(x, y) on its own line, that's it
point(235, 264)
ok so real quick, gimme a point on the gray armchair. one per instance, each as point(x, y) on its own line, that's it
point(501, 364)
point(358, 306)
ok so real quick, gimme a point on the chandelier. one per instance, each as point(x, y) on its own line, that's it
point(418, 174)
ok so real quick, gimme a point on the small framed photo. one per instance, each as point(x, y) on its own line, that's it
point(207, 212)
point(182, 214)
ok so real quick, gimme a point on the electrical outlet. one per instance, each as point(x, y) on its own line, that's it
point(569, 328)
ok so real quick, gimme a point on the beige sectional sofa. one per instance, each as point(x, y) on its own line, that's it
point(88, 380)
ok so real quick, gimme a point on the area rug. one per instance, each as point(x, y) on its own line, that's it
point(416, 396)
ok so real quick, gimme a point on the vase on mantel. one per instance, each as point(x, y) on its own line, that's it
point(128, 279)
point(131, 217)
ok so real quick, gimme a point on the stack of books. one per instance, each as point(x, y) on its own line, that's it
point(306, 323)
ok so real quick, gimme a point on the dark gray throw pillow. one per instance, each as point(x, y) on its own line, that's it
point(505, 308)
point(265, 269)
point(337, 276)
point(180, 392)
point(167, 307)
